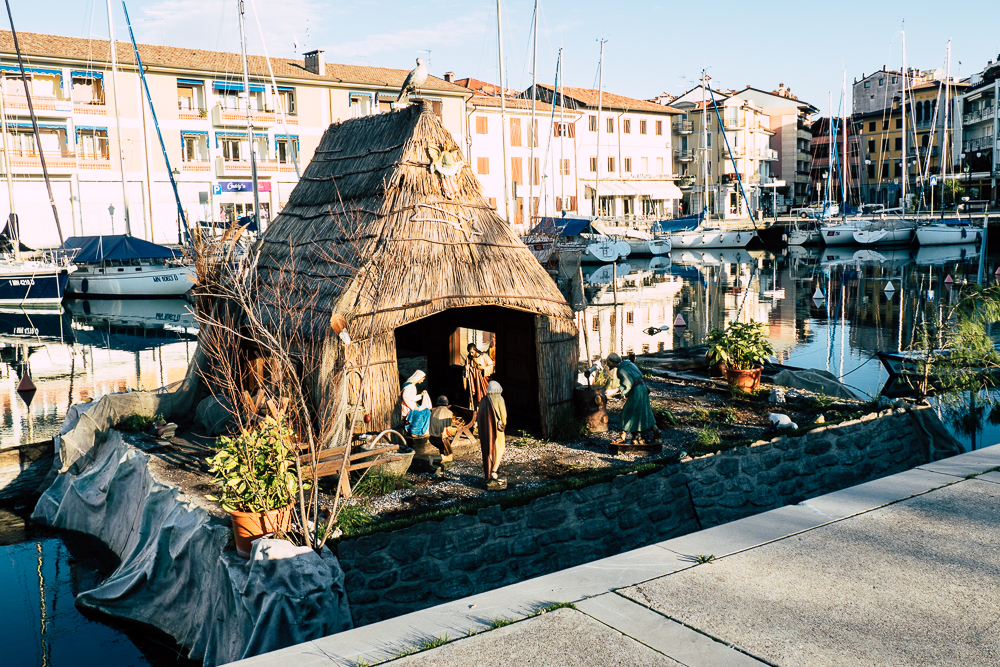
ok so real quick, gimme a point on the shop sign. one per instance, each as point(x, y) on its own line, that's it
point(240, 186)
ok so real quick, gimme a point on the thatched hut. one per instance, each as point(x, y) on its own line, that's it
point(389, 229)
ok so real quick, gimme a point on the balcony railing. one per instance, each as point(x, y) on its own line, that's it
point(196, 165)
point(44, 106)
point(765, 153)
point(978, 115)
point(196, 114)
point(683, 127)
point(59, 161)
point(227, 167)
point(683, 155)
point(733, 123)
point(924, 151)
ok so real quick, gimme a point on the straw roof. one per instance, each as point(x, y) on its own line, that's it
point(371, 232)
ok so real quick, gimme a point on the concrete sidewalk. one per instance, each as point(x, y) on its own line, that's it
point(904, 570)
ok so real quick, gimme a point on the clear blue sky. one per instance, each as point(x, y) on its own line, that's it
point(652, 46)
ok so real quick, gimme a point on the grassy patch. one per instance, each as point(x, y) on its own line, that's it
point(707, 439)
point(434, 643)
point(500, 621)
point(556, 605)
point(377, 483)
point(136, 423)
point(821, 401)
point(701, 559)
point(700, 415)
point(354, 517)
point(664, 418)
point(726, 415)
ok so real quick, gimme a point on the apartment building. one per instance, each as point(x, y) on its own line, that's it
point(791, 124)
point(878, 124)
point(624, 150)
point(741, 145)
point(830, 171)
point(542, 176)
point(977, 153)
point(200, 103)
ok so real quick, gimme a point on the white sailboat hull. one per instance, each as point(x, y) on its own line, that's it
point(711, 238)
point(894, 235)
point(842, 234)
point(948, 234)
point(145, 280)
point(804, 237)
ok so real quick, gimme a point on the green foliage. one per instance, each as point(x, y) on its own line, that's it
point(601, 378)
point(664, 418)
point(708, 438)
point(557, 605)
point(428, 644)
point(646, 372)
point(821, 401)
point(353, 517)
point(701, 559)
point(742, 345)
point(700, 415)
point(953, 192)
point(726, 415)
point(255, 471)
point(137, 423)
point(500, 621)
point(379, 483)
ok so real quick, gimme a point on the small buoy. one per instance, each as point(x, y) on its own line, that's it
point(679, 321)
point(818, 295)
point(948, 279)
point(889, 287)
point(26, 384)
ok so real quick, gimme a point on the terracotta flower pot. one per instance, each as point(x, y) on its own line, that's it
point(747, 381)
point(248, 526)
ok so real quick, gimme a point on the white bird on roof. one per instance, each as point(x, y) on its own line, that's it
point(414, 80)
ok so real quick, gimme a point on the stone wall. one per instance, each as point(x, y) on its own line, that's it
point(388, 574)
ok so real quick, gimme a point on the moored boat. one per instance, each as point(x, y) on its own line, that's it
point(123, 265)
point(949, 232)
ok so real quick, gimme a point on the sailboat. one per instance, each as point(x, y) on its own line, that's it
point(123, 265)
point(28, 282)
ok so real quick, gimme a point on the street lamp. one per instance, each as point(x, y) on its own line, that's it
point(111, 211)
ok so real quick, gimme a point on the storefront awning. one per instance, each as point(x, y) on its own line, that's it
point(658, 190)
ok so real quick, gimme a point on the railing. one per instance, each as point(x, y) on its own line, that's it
point(735, 151)
point(733, 123)
point(924, 151)
point(683, 127)
point(196, 165)
point(683, 155)
point(223, 116)
point(766, 153)
point(43, 105)
point(195, 114)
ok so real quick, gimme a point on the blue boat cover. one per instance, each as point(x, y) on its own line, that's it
point(95, 249)
point(568, 226)
point(678, 224)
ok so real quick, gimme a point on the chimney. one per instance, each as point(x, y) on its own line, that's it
point(315, 63)
point(449, 77)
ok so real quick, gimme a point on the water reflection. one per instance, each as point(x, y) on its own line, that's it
point(830, 308)
point(88, 349)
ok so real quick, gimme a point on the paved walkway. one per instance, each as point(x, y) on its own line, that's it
point(903, 570)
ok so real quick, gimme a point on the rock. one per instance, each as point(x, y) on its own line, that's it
point(777, 395)
point(782, 422)
point(793, 395)
point(820, 420)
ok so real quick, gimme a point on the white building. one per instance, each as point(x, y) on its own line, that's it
point(200, 104)
point(623, 147)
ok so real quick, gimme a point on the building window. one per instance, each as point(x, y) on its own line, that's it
point(895, 79)
point(593, 164)
point(88, 90)
point(871, 145)
point(287, 100)
point(899, 144)
point(92, 144)
point(659, 128)
point(564, 130)
point(899, 123)
point(592, 121)
point(516, 170)
point(611, 125)
point(515, 131)
point(361, 105)
point(885, 145)
point(572, 203)
point(482, 125)
point(231, 149)
point(660, 346)
point(897, 169)
point(642, 127)
point(595, 323)
point(659, 166)
point(564, 168)
point(191, 149)
point(284, 148)
point(629, 317)
point(482, 165)
point(868, 84)
point(627, 126)
point(881, 81)
point(871, 171)
point(536, 175)
point(854, 172)
point(885, 169)
point(871, 126)
point(611, 164)
point(645, 346)
point(628, 165)
point(885, 125)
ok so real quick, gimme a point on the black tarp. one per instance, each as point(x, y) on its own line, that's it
point(95, 249)
point(7, 236)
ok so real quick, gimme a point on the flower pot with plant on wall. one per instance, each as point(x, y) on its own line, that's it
point(743, 347)
point(256, 481)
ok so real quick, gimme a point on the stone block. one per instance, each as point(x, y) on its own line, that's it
point(699, 464)
point(594, 530)
point(752, 465)
point(827, 460)
point(612, 508)
point(576, 554)
point(894, 445)
point(739, 485)
point(556, 536)
point(793, 453)
point(622, 480)
point(470, 539)
point(407, 593)
point(441, 547)
point(491, 575)
point(786, 471)
point(358, 598)
point(630, 518)
point(467, 562)
point(708, 491)
point(782, 443)
point(354, 580)
point(525, 568)
point(787, 489)
point(408, 549)
point(375, 563)
point(595, 491)
point(457, 521)
point(546, 518)
point(523, 546)
point(849, 457)
point(496, 551)
point(545, 502)
point(383, 580)
point(728, 466)
point(817, 446)
point(369, 544)
point(424, 571)
point(346, 552)
point(492, 515)
point(573, 495)
point(732, 500)
point(763, 498)
point(508, 529)
point(660, 513)
point(514, 514)
point(453, 587)
point(586, 512)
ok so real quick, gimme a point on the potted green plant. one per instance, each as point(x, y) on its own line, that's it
point(742, 347)
point(256, 480)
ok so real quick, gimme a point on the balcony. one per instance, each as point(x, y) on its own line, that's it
point(223, 116)
point(765, 154)
point(683, 155)
point(94, 108)
point(802, 178)
point(979, 115)
point(48, 107)
point(734, 151)
point(683, 127)
point(195, 114)
point(686, 182)
point(196, 166)
point(98, 162)
point(733, 123)
point(807, 135)
point(224, 167)
point(56, 161)
point(923, 151)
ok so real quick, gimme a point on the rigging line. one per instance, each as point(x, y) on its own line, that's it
point(732, 158)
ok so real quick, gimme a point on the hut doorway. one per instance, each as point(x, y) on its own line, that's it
point(437, 345)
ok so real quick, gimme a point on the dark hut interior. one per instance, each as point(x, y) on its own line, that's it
point(389, 229)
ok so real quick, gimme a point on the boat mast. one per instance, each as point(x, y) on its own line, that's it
point(533, 129)
point(600, 107)
point(902, 107)
point(704, 146)
point(944, 133)
point(844, 171)
point(10, 180)
point(832, 149)
point(118, 117)
point(34, 125)
point(503, 114)
point(562, 130)
point(246, 90)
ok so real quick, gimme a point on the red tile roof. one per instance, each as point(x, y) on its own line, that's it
point(96, 53)
point(483, 87)
point(588, 97)
point(517, 103)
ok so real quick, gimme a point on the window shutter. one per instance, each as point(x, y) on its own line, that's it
point(534, 135)
point(572, 130)
point(516, 170)
point(559, 205)
point(493, 202)
point(482, 125)
point(535, 176)
point(483, 165)
point(572, 203)
point(515, 131)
